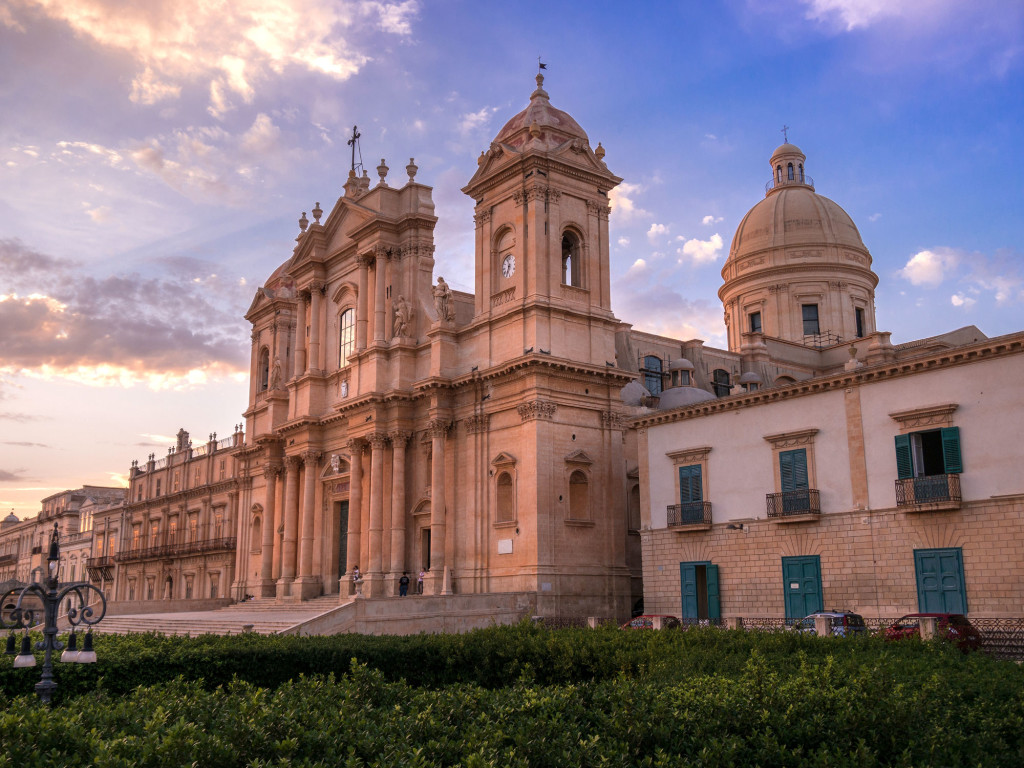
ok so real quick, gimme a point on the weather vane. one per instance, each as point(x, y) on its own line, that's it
point(541, 64)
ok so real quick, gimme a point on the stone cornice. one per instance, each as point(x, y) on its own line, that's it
point(690, 455)
point(927, 416)
point(1001, 346)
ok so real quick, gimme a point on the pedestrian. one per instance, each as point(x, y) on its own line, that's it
point(419, 582)
point(403, 584)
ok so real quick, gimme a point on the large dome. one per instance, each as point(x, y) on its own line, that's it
point(797, 269)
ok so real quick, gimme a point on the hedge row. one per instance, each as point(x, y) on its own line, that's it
point(489, 658)
point(814, 714)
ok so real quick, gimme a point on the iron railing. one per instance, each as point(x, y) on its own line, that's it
point(929, 489)
point(690, 513)
point(11, 558)
point(203, 546)
point(104, 561)
point(800, 180)
point(786, 503)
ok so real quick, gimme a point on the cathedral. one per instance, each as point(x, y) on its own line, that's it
point(523, 441)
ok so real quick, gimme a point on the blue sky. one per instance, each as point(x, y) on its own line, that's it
point(154, 171)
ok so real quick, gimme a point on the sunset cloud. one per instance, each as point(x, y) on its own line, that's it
point(231, 47)
point(60, 322)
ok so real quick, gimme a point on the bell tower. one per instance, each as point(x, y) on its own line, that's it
point(542, 251)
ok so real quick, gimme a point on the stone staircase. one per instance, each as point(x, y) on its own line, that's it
point(262, 615)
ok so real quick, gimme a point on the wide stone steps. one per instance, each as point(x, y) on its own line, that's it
point(263, 616)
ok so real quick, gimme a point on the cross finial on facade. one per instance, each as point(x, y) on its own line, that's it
point(785, 134)
point(354, 143)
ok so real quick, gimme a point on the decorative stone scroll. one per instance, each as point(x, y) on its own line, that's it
point(537, 409)
point(482, 216)
point(933, 416)
point(438, 427)
point(612, 420)
point(503, 297)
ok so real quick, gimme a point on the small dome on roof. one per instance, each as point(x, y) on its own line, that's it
point(677, 397)
point(633, 393)
point(11, 519)
point(750, 377)
point(540, 122)
point(680, 364)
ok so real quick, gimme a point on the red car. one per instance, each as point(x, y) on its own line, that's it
point(952, 626)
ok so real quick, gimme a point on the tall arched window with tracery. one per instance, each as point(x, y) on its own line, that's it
point(346, 336)
point(571, 263)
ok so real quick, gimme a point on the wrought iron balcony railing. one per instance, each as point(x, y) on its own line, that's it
point(800, 180)
point(690, 513)
point(99, 562)
point(788, 503)
point(9, 558)
point(931, 489)
point(202, 546)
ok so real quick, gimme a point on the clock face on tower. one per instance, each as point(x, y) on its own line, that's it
point(508, 266)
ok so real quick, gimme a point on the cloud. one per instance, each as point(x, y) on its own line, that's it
point(24, 445)
point(21, 418)
point(474, 120)
point(874, 217)
point(621, 201)
point(710, 219)
point(960, 300)
point(929, 268)
point(702, 251)
point(623, 241)
point(851, 14)
point(656, 231)
point(60, 322)
point(648, 283)
point(12, 477)
point(229, 48)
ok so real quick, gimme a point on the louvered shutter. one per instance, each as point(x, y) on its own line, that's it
point(904, 458)
point(951, 450)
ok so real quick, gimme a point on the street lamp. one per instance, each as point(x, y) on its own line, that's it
point(19, 609)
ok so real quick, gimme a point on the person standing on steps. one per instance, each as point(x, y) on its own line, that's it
point(403, 585)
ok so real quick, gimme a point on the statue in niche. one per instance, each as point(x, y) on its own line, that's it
point(275, 374)
point(443, 300)
point(403, 317)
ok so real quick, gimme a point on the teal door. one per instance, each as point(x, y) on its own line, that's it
point(940, 580)
point(698, 582)
point(801, 578)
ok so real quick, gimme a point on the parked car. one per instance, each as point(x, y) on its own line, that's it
point(646, 621)
point(951, 626)
point(844, 623)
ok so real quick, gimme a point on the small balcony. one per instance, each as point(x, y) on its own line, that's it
point(691, 516)
point(8, 559)
point(794, 506)
point(99, 562)
point(931, 493)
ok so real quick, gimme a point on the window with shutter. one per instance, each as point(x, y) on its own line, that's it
point(793, 470)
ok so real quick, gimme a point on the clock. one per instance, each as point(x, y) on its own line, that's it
point(508, 265)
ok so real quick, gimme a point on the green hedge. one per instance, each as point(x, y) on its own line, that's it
point(520, 696)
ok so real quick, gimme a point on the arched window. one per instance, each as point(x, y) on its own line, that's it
point(571, 274)
point(506, 499)
point(801, 166)
point(346, 336)
point(778, 173)
point(579, 496)
point(263, 372)
point(256, 544)
point(720, 382)
point(652, 374)
point(789, 172)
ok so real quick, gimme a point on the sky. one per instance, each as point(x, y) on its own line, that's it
point(155, 159)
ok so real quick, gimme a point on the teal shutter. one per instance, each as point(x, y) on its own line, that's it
point(690, 487)
point(793, 470)
point(688, 589)
point(714, 604)
point(951, 450)
point(904, 459)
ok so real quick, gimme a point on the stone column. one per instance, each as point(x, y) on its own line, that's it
point(309, 585)
point(398, 513)
point(362, 303)
point(300, 337)
point(380, 281)
point(355, 511)
point(291, 525)
point(438, 432)
point(270, 472)
point(375, 567)
point(316, 291)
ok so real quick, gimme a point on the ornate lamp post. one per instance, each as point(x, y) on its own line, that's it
point(19, 609)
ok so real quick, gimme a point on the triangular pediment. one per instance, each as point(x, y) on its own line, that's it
point(503, 458)
point(578, 457)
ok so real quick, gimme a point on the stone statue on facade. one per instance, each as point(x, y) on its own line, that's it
point(275, 374)
point(443, 300)
point(403, 317)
